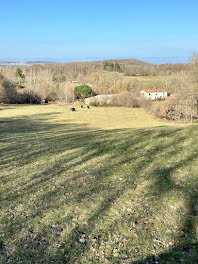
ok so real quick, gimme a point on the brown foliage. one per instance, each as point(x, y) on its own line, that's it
point(8, 93)
point(128, 99)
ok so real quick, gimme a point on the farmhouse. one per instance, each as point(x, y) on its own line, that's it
point(153, 94)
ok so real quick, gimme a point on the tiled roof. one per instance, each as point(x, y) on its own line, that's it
point(155, 91)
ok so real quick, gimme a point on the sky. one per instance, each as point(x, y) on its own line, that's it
point(104, 29)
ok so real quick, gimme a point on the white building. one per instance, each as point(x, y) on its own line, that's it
point(154, 94)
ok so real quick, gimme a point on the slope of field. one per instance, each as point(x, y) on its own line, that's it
point(105, 185)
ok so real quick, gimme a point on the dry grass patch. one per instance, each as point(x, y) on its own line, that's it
point(96, 117)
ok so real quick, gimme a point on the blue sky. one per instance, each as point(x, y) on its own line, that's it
point(111, 28)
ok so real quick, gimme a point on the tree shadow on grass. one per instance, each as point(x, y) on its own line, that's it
point(79, 176)
point(185, 247)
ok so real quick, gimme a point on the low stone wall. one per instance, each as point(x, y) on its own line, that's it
point(104, 99)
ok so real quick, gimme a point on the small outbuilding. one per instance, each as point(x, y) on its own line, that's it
point(154, 94)
point(44, 101)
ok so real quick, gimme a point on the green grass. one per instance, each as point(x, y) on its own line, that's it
point(147, 82)
point(105, 185)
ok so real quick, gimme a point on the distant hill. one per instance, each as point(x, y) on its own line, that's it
point(21, 63)
point(130, 61)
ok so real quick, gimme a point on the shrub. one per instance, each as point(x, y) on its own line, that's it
point(28, 98)
point(10, 95)
point(83, 91)
point(8, 92)
point(175, 109)
point(128, 99)
point(19, 74)
point(171, 109)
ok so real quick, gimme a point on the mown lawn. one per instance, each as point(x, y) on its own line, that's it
point(105, 185)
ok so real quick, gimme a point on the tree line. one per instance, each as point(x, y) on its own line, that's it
point(57, 82)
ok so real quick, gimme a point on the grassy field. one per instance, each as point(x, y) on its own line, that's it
point(147, 82)
point(105, 185)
